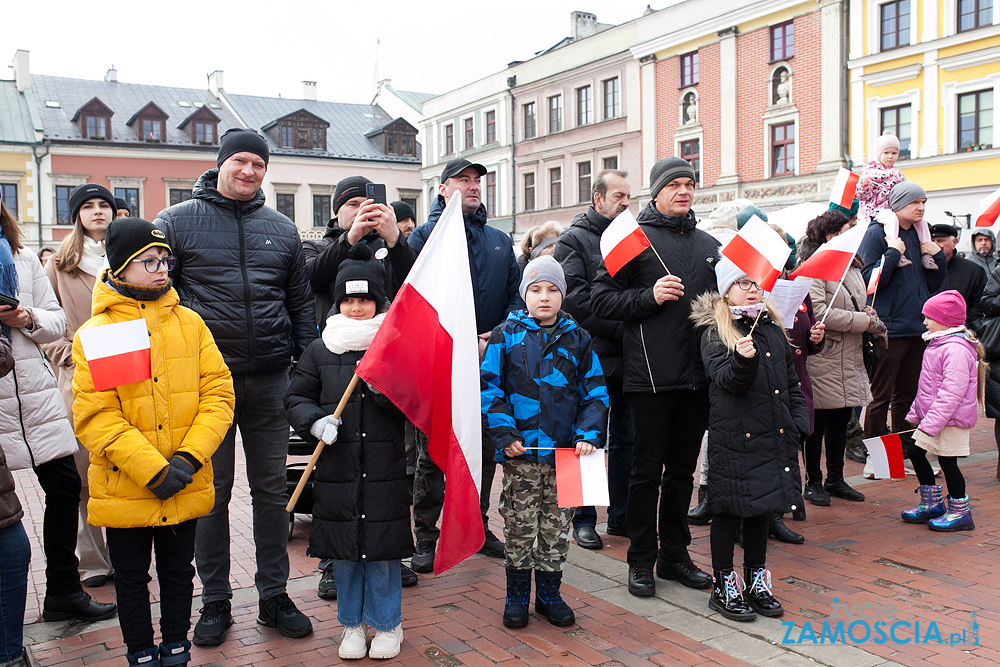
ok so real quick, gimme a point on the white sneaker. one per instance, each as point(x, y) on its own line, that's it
point(354, 642)
point(386, 643)
point(869, 471)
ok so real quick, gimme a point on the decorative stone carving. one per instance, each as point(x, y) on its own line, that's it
point(704, 199)
point(690, 109)
point(780, 191)
point(781, 87)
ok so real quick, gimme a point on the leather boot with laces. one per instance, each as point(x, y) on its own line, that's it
point(354, 642)
point(758, 592)
point(727, 597)
point(548, 599)
point(515, 612)
point(640, 581)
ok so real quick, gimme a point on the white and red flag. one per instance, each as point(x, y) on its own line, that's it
point(581, 481)
point(887, 456)
point(832, 259)
point(873, 278)
point(425, 359)
point(989, 209)
point(760, 251)
point(622, 241)
point(845, 187)
point(117, 354)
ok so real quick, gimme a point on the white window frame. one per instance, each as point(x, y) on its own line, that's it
point(875, 24)
point(131, 182)
point(873, 115)
point(949, 102)
point(951, 17)
point(771, 119)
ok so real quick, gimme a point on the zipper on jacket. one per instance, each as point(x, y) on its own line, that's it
point(20, 418)
point(642, 338)
point(246, 288)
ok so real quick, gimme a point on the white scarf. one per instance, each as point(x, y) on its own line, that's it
point(92, 259)
point(342, 334)
point(931, 335)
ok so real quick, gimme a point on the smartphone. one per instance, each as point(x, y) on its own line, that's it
point(376, 192)
point(6, 300)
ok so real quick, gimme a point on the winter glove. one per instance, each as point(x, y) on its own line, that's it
point(170, 480)
point(325, 429)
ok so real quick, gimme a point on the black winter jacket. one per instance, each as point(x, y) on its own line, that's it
point(990, 307)
point(968, 279)
point(240, 266)
point(661, 346)
point(758, 416)
point(323, 258)
point(578, 250)
point(360, 506)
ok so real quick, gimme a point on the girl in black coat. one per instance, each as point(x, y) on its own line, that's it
point(361, 516)
point(758, 415)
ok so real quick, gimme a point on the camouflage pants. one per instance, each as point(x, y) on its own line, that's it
point(535, 529)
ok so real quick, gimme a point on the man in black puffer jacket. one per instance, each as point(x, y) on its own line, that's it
point(663, 376)
point(240, 266)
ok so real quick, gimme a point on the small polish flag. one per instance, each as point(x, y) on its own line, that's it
point(990, 209)
point(622, 241)
point(887, 456)
point(832, 259)
point(581, 481)
point(873, 278)
point(845, 187)
point(760, 251)
point(117, 354)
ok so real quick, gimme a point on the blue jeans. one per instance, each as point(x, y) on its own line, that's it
point(369, 592)
point(15, 554)
point(619, 461)
point(260, 416)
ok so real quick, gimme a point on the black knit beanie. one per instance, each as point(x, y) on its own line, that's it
point(237, 140)
point(85, 192)
point(402, 211)
point(360, 276)
point(122, 205)
point(128, 238)
point(666, 170)
point(349, 188)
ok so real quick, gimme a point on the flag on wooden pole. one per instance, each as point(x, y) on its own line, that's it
point(759, 251)
point(845, 187)
point(832, 259)
point(875, 275)
point(622, 241)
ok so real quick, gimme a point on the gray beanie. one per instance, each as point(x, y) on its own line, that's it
point(543, 268)
point(727, 273)
point(666, 170)
point(905, 193)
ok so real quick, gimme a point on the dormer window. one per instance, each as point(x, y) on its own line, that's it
point(150, 123)
point(300, 130)
point(94, 120)
point(202, 126)
point(397, 137)
point(152, 130)
point(204, 133)
point(97, 127)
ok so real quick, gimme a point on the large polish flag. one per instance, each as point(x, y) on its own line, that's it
point(581, 481)
point(832, 259)
point(887, 456)
point(845, 187)
point(425, 359)
point(760, 251)
point(117, 354)
point(622, 241)
point(989, 208)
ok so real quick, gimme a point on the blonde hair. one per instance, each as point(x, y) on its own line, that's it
point(725, 323)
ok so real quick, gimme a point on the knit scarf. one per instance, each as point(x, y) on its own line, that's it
point(342, 334)
point(931, 335)
point(8, 277)
point(751, 311)
point(92, 258)
point(139, 292)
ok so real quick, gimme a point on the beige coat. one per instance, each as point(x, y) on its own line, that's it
point(838, 375)
point(75, 293)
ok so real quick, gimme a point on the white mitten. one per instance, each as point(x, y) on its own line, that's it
point(325, 429)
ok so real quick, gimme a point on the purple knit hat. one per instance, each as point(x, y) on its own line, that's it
point(947, 308)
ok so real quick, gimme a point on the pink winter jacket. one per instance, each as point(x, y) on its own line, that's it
point(946, 392)
point(874, 195)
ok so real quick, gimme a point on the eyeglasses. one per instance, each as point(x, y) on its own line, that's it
point(744, 284)
point(153, 263)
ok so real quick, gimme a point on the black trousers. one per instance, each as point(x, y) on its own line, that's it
point(953, 477)
point(60, 481)
point(130, 550)
point(668, 428)
point(723, 538)
point(832, 425)
point(895, 383)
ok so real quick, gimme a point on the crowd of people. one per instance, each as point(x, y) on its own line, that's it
point(674, 362)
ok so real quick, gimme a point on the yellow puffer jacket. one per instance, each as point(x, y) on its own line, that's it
point(132, 430)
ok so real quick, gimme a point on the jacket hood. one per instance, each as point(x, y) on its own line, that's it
point(207, 188)
point(683, 224)
point(564, 323)
point(107, 298)
point(703, 309)
point(983, 232)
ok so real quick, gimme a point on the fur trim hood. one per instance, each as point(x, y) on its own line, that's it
point(703, 309)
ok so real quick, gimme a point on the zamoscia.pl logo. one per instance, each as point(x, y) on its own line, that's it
point(876, 623)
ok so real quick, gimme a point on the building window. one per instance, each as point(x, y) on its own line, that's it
point(152, 130)
point(782, 41)
point(783, 149)
point(529, 192)
point(530, 123)
point(491, 194)
point(321, 210)
point(470, 135)
point(689, 69)
point(555, 187)
point(8, 194)
point(398, 143)
point(62, 204)
point(449, 139)
point(491, 126)
point(319, 139)
point(177, 195)
point(286, 205)
point(691, 151)
point(555, 114)
point(583, 182)
point(897, 121)
point(131, 196)
point(97, 127)
point(894, 21)
point(287, 136)
point(583, 113)
point(204, 133)
point(610, 162)
point(974, 14)
point(612, 99)
point(975, 120)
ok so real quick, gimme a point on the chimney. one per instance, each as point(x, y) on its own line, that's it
point(582, 24)
point(309, 90)
point(111, 76)
point(215, 82)
point(22, 72)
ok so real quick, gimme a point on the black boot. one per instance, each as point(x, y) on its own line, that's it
point(149, 657)
point(78, 606)
point(758, 592)
point(175, 654)
point(727, 597)
point(701, 514)
point(548, 601)
point(515, 613)
point(781, 532)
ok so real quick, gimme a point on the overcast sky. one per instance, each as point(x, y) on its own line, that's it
point(269, 48)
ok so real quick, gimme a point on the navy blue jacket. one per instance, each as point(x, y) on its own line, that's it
point(495, 275)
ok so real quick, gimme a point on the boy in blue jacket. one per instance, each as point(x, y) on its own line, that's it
point(542, 387)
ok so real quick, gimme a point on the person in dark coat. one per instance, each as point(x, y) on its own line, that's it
point(990, 305)
point(758, 417)
point(984, 250)
point(361, 516)
point(964, 276)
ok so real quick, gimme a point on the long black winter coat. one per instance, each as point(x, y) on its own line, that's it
point(990, 306)
point(757, 418)
point(360, 506)
point(662, 347)
point(969, 280)
point(240, 266)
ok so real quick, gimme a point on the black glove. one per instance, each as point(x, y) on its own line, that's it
point(171, 479)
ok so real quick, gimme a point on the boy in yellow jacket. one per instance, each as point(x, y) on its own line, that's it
point(151, 441)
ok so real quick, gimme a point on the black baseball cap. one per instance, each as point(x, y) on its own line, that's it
point(944, 230)
point(457, 166)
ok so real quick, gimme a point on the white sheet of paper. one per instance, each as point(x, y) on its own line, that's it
point(787, 296)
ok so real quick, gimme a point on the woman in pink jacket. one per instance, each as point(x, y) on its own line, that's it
point(952, 378)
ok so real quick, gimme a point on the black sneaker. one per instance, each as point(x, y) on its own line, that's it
point(327, 589)
point(817, 495)
point(211, 627)
point(423, 560)
point(280, 612)
point(493, 546)
point(842, 489)
point(407, 576)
